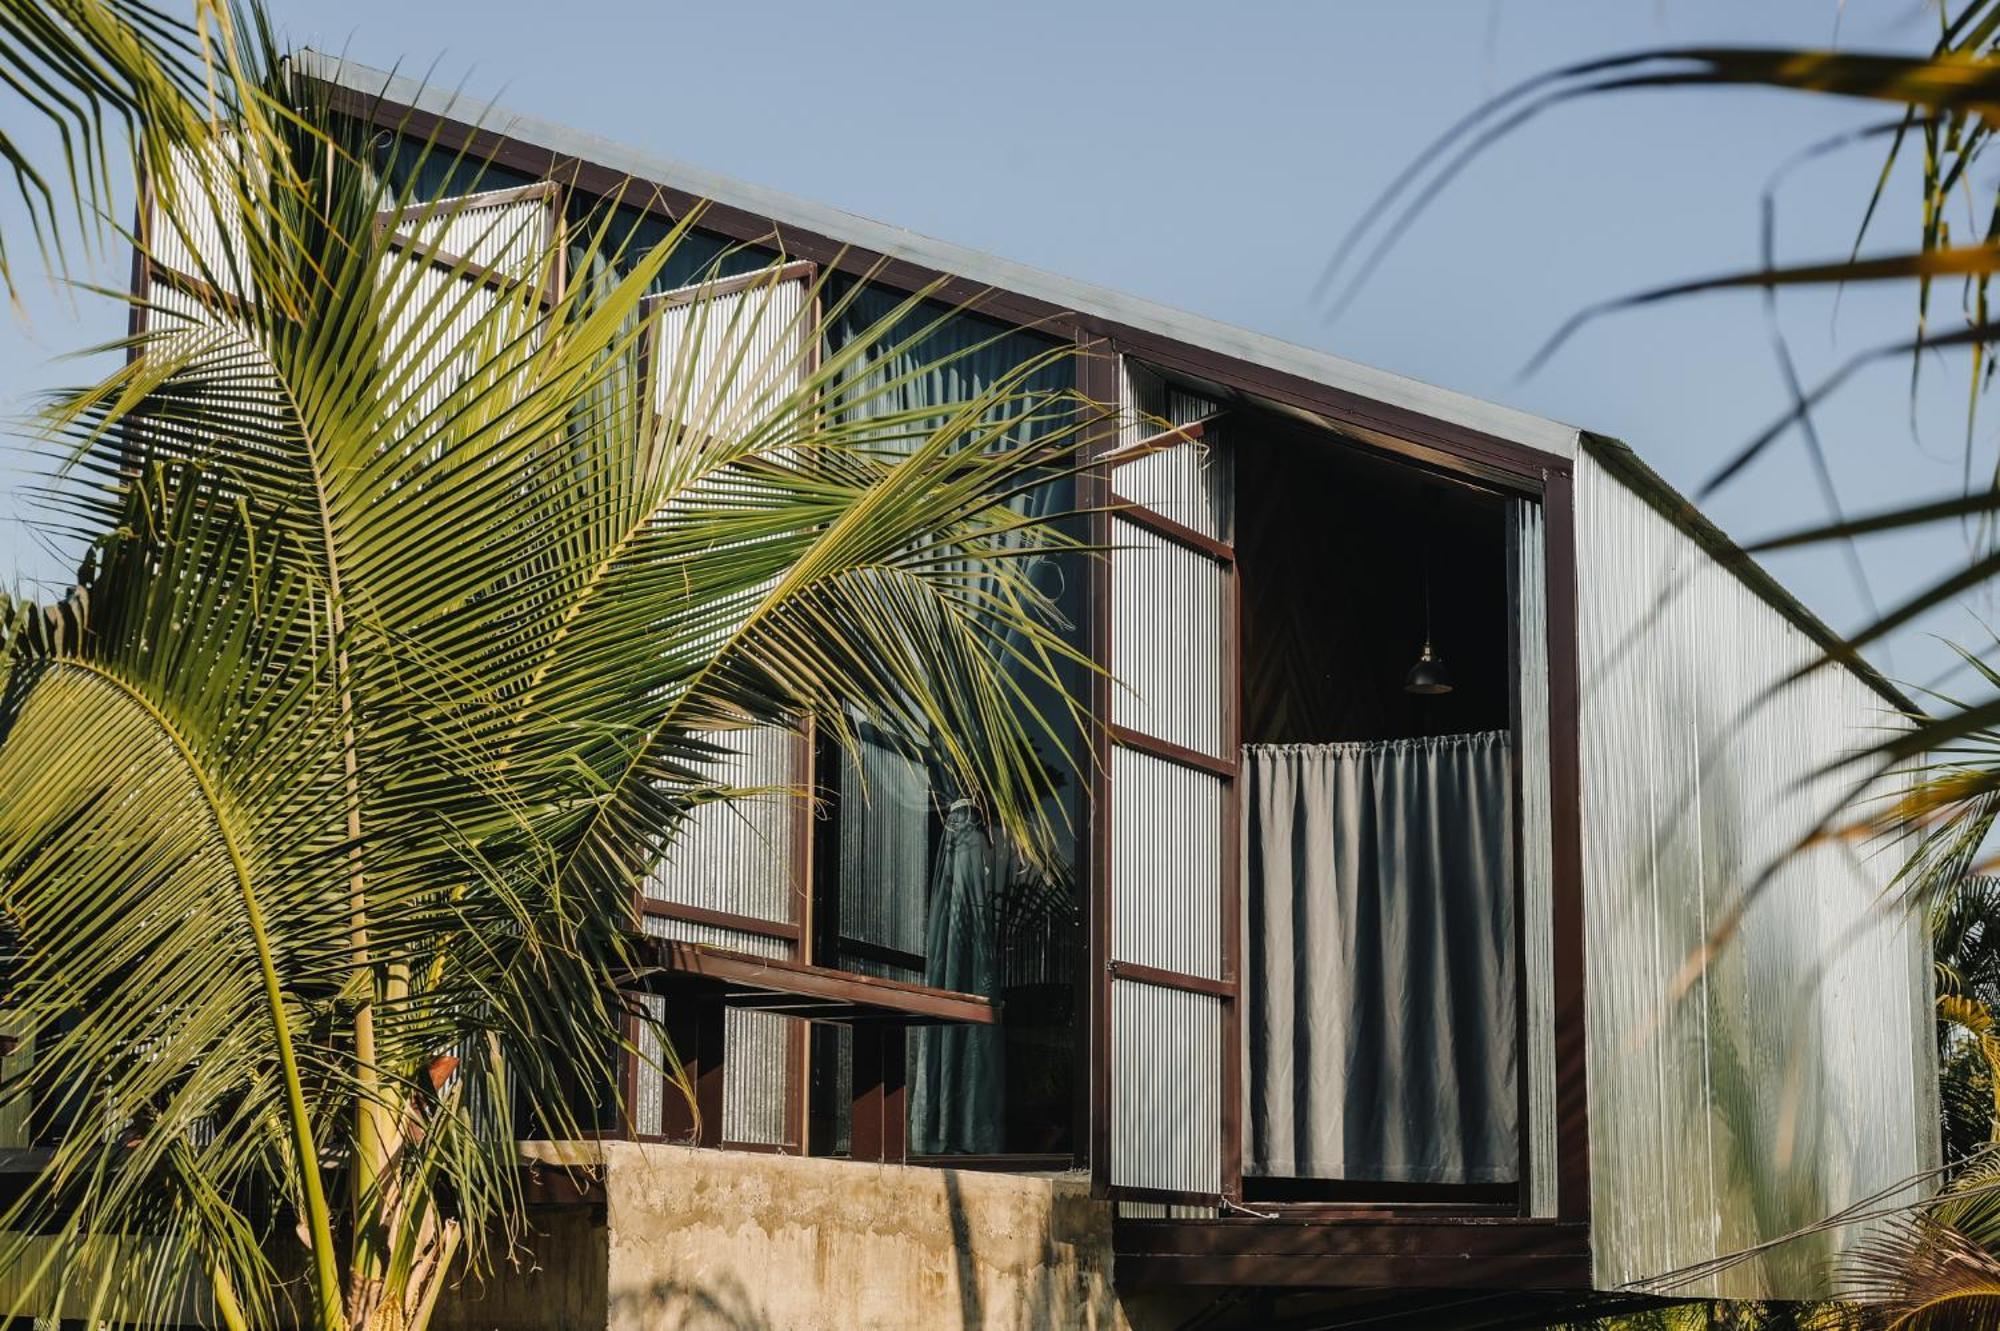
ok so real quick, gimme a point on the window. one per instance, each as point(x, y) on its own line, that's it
point(1329, 967)
point(911, 885)
point(1382, 1022)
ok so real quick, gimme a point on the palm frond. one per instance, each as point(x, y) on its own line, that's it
point(89, 70)
point(425, 594)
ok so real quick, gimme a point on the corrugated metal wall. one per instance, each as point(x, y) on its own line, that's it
point(1166, 862)
point(738, 855)
point(756, 1048)
point(719, 361)
point(1179, 483)
point(507, 230)
point(1166, 1088)
point(1790, 1081)
point(428, 297)
point(196, 237)
point(1527, 539)
point(1170, 599)
point(1168, 818)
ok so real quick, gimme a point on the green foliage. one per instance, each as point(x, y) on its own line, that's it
point(412, 626)
point(85, 69)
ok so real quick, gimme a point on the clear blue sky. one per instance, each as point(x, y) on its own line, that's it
point(1102, 139)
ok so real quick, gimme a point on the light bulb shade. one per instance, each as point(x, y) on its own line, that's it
point(1428, 675)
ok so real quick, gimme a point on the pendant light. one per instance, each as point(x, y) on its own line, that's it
point(1428, 676)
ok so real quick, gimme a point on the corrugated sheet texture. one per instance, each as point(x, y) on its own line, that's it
point(757, 1070)
point(726, 363)
point(758, 1048)
point(1167, 834)
point(649, 1104)
point(1166, 864)
point(434, 309)
point(1189, 483)
point(1166, 635)
point(201, 234)
point(1537, 854)
point(885, 847)
point(1166, 1092)
point(1163, 1211)
point(441, 333)
point(738, 855)
point(717, 359)
point(720, 360)
point(499, 229)
point(1149, 400)
point(1785, 1085)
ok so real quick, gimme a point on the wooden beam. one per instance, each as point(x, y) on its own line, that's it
point(738, 979)
point(880, 1126)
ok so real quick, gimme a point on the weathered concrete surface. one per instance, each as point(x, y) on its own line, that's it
point(694, 1240)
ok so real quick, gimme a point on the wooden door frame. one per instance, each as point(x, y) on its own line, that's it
point(1429, 444)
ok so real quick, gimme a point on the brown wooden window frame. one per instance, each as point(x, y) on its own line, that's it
point(1393, 428)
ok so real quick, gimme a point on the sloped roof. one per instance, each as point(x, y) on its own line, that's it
point(1084, 298)
point(1518, 427)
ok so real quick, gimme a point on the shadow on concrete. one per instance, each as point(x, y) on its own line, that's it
point(676, 1305)
point(972, 1311)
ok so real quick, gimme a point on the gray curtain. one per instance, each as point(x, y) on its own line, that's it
point(1380, 1008)
point(959, 1076)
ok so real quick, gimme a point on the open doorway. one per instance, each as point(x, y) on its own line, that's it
point(1381, 684)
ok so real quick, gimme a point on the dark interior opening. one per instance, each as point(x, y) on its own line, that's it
point(1332, 544)
point(1381, 1012)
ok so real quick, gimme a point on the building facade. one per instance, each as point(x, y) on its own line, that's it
point(1434, 744)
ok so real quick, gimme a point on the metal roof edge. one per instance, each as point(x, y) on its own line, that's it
point(960, 261)
point(1087, 299)
point(1632, 471)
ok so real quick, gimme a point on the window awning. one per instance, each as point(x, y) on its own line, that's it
point(794, 989)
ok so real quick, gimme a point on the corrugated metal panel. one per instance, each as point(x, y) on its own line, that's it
point(737, 855)
point(227, 351)
point(1149, 399)
point(1166, 635)
point(1163, 1211)
point(758, 1047)
point(721, 362)
point(1781, 1088)
point(1189, 483)
point(499, 229)
point(201, 235)
point(885, 847)
point(715, 935)
point(1166, 1093)
point(196, 236)
point(1167, 831)
point(1537, 853)
point(724, 363)
point(649, 1105)
point(440, 331)
point(1166, 864)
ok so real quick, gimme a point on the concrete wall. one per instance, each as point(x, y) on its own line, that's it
point(724, 1241)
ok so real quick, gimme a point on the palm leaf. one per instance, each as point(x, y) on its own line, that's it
point(86, 69)
point(445, 620)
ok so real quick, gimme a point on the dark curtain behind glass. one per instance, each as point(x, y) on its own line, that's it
point(920, 874)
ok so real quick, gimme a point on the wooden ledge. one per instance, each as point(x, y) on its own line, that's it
point(815, 993)
point(1369, 1251)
